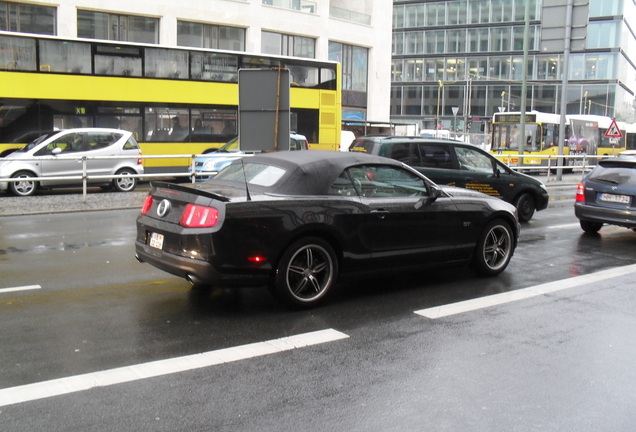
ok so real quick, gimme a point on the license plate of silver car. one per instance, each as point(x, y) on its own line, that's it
point(620, 199)
point(156, 240)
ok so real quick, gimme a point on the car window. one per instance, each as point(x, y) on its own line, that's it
point(343, 186)
point(68, 143)
point(434, 156)
point(614, 173)
point(131, 144)
point(97, 140)
point(256, 174)
point(361, 145)
point(385, 181)
point(397, 151)
point(472, 160)
point(293, 144)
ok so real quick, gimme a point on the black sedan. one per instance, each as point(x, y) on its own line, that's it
point(607, 195)
point(297, 221)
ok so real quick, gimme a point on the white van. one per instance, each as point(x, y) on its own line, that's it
point(346, 138)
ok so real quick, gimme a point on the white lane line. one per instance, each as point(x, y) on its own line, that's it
point(22, 288)
point(570, 225)
point(537, 290)
point(45, 389)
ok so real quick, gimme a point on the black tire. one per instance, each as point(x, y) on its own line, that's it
point(24, 187)
point(590, 227)
point(124, 183)
point(494, 249)
point(305, 274)
point(525, 207)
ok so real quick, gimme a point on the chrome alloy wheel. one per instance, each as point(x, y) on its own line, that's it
point(309, 273)
point(497, 247)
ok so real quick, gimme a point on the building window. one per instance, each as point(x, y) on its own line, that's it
point(288, 45)
point(100, 25)
point(27, 18)
point(415, 42)
point(415, 16)
point(354, 61)
point(210, 36)
point(603, 34)
point(398, 43)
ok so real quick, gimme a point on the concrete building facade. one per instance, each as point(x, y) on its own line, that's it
point(355, 33)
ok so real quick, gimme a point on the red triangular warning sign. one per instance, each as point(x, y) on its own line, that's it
point(613, 131)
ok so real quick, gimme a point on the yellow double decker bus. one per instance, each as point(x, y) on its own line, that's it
point(175, 100)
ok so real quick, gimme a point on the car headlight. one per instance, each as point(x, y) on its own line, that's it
point(209, 165)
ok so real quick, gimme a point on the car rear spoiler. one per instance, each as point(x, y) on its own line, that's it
point(188, 189)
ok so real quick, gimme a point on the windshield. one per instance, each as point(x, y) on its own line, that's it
point(505, 136)
point(230, 146)
point(36, 141)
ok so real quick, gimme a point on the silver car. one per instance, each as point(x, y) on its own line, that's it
point(60, 155)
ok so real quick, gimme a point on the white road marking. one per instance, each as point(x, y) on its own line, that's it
point(537, 290)
point(45, 389)
point(22, 288)
point(570, 225)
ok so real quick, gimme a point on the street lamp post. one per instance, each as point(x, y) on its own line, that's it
point(585, 103)
point(503, 108)
point(439, 96)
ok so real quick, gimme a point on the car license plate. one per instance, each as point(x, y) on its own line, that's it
point(621, 199)
point(156, 240)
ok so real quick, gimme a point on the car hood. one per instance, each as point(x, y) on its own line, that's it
point(16, 155)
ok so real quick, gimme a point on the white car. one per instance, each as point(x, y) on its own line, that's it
point(60, 154)
point(215, 161)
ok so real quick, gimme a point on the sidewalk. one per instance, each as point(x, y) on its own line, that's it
point(72, 202)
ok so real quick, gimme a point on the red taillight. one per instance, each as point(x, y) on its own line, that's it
point(139, 161)
point(147, 204)
point(197, 216)
point(580, 193)
point(257, 259)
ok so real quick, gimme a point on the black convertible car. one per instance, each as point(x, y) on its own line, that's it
point(297, 221)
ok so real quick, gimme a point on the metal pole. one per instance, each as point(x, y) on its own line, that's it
point(564, 86)
point(439, 94)
point(524, 82)
point(84, 178)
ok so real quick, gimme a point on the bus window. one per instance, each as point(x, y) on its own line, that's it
point(65, 57)
point(213, 67)
point(164, 63)
point(550, 136)
point(327, 79)
point(17, 53)
point(166, 124)
point(303, 76)
point(117, 60)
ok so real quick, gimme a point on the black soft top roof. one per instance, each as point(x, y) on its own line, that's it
point(311, 172)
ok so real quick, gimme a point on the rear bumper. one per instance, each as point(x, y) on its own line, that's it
point(613, 216)
point(196, 271)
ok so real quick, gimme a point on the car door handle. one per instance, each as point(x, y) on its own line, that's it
point(380, 213)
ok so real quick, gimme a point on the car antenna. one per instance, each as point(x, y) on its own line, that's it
point(247, 190)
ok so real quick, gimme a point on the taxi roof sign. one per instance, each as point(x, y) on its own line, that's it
point(613, 131)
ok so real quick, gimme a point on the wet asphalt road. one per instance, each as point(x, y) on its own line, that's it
point(558, 361)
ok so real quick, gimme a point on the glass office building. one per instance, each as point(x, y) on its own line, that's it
point(468, 55)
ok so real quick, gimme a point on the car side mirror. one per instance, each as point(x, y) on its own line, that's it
point(56, 151)
point(435, 192)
